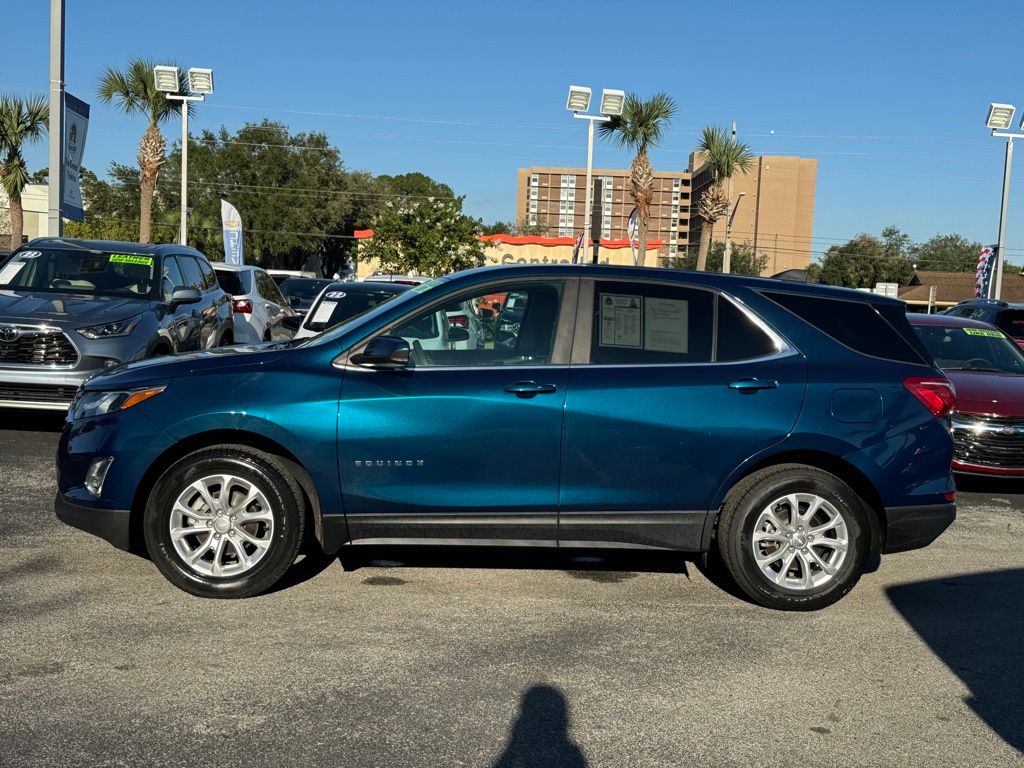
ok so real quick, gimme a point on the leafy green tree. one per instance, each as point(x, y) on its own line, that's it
point(947, 253)
point(641, 127)
point(743, 259)
point(508, 228)
point(102, 229)
point(134, 91)
point(415, 185)
point(425, 236)
point(724, 156)
point(22, 121)
point(866, 260)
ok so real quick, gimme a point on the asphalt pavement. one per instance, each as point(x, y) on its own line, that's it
point(416, 657)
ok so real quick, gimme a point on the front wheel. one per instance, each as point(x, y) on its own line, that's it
point(225, 521)
point(794, 537)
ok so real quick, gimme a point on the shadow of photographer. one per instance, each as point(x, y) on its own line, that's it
point(975, 625)
point(540, 736)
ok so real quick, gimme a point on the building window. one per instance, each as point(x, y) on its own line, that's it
point(534, 180)
point(533, 206)
point(533, 220)
point(572, 193)
point(533, 194)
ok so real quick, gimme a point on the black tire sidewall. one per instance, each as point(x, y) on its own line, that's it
point(266, 477)
point(744, 567)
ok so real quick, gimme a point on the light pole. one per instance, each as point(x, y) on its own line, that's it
point(200, 85)
point(611, 106)
point(55, 224)
point(1000, 117)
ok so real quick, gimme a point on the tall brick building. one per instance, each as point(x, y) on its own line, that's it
point(775, 213)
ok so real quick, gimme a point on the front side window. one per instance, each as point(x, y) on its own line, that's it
point(171, 279)
point(513, 325)
point(1011, 322)
point(190, 272)
point(94, 273)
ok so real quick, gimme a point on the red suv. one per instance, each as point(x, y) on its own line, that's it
point(987, 370)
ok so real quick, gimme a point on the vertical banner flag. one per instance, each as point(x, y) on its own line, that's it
point(632, 232)
point(983, 274)
point(576, 248)
point(76, 124)
point(232, 224)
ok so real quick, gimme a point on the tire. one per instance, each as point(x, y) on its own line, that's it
point(819, 571)
point(237, 551)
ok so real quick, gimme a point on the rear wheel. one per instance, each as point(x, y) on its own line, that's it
point(794, 537)
point(225, 521)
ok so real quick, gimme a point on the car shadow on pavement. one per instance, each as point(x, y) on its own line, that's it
point(988, 484)
point(599, 565)
point(32, 421)
point(540, 737)
point(974, 624)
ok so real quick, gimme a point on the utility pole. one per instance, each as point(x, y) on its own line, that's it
point(54, 224)
point(727, 255)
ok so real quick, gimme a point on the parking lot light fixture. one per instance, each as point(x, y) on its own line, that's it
point(611, 106)
point(579, 98)
point(1000, 116)
point(200, 81)
point(200, 84)
point(166, 79)
point(612, 102)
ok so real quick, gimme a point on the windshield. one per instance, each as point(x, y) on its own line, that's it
point(230, 282)
point(367, 316)
point(971, 349)
point(303, 287)
point(338, 306)
point(95, 273)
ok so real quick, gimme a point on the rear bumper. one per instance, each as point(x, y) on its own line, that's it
point(109, 524)
point(916, 527)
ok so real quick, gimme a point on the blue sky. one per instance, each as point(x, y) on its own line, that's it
point(890, 97)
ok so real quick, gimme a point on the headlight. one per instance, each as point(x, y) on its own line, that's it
point(109, 330)
point(98, 403)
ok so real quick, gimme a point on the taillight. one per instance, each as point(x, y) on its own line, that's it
point(935, 394)
point(460, 320)
point(243, 306)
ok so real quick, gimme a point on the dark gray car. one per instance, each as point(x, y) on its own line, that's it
point(69, 308)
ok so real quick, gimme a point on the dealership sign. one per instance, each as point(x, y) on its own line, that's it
point(76, 124)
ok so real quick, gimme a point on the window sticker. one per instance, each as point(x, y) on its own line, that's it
point(983, 332)
point(666, 325)
point(30, 254)
point(323, 312)
point(8, 273)
point(131, 258)
point(620, 320)
point(335, 295)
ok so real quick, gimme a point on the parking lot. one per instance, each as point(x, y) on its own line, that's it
point(509, 658)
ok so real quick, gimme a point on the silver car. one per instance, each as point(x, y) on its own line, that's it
point(70, 308)
point(261, 311)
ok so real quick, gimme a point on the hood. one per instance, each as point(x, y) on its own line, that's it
point(67, 309)
point(999, 394)
point(160, 370)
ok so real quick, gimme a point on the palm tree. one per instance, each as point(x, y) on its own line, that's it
point(134, 91)
point(724, 156)
point(21, 121)
point(640, 127)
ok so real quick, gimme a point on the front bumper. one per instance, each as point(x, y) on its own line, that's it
point(109, 524)
point(915, 527)
point(47, 389)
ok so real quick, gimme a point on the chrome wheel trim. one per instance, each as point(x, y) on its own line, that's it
point(800, 541)
point(221, 525)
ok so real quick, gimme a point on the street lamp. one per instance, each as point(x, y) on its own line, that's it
point(612, 103)
point(200, 85)
point(1000, 117)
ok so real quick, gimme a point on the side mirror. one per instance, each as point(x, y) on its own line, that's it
point(384, 353)
point(457, 333)
point(294, 301)
point(292, 322)
point(185, 296)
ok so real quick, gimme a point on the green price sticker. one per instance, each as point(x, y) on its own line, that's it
point(983, 332)
point(129, 258)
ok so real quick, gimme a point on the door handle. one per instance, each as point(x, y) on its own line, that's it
point(753, 386)
point(530, 388)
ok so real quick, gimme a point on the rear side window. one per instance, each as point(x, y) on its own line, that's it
point(854, 324)
point(739, 337)
point(1011, 322)
point(209, 278)
point(231, 282)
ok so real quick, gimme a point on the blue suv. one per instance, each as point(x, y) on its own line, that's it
point(791, 430)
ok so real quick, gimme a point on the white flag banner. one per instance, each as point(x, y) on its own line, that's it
point(232, 224)
point(76, 124)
